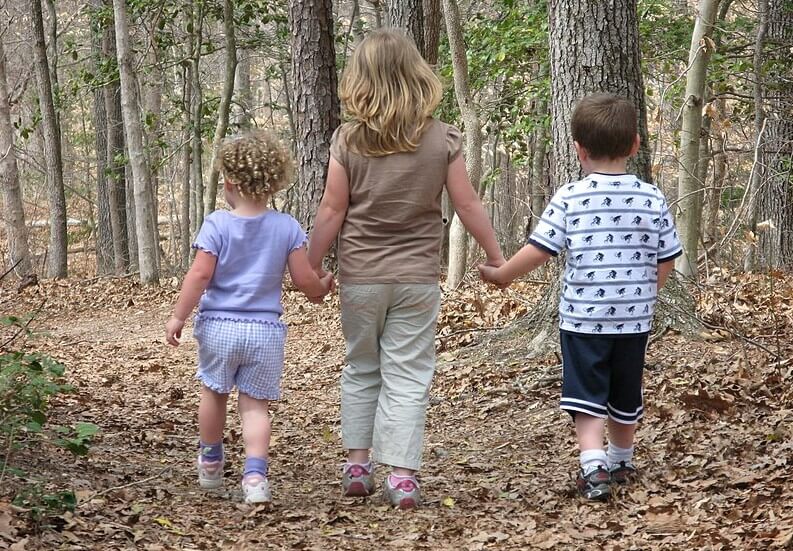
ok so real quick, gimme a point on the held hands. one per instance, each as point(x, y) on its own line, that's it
point(491, 272)
point(328, 285)
point(173, 331)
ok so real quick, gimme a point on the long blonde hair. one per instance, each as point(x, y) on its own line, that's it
point(388, 93)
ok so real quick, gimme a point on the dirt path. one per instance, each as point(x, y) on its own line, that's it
point(716, 448)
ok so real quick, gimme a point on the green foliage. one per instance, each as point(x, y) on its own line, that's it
point(507, 54)
point(27, 382)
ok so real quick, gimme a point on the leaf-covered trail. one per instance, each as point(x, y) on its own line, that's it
point(716, 447)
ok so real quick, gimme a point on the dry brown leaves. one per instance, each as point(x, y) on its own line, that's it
point(715, 448)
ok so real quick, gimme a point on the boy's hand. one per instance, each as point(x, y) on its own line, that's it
point(173, 331)
point(492, 274)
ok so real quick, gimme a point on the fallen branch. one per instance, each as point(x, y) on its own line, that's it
point(124, 486)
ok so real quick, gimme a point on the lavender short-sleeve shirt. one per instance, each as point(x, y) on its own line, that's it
point(251, 258)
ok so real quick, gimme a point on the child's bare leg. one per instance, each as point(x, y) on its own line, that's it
point(621, 435)
point(211, 416)
point(589, 430)
point(358, 456)
point(255, 417)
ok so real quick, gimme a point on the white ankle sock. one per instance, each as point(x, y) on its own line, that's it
point(592, 459)
point(617, 454)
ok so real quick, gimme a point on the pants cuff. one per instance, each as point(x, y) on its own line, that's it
point(414, 464)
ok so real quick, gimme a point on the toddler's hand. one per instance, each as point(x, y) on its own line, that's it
point(173, 331)
point(328, 284)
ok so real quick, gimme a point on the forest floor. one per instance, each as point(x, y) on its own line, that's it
point(715, 448)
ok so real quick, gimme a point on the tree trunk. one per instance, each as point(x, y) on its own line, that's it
point(316, 103)
point(56, 265)
point(14, 212)
point(689, 188)
point(408, 15)
point(197, 195)
point(594, 47)
point(144, 226)
point(432, 30)
point(458, 238)
point(241, 110)
point(184, 222)
point(152, 105)
point(105, 259)
point(775, 200)
point(114, 157)
point(225, 102)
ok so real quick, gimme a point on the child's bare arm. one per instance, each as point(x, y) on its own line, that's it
point(471, 212)
point(525, 260)
point(193, 286)
point(330, 215)
point(664, 269)
point(304, 277)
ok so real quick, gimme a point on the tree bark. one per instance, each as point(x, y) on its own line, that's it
point(225, 102)
point(184, 221)
point(241, 110)
point(458, 238)
point(594, 47)
point(105, 259)
point(775, 200)
point(408, 15)
point(316, 102)
point(432, 30)
point(197, 146)
point(14, 212)
point(144, 227)
point(56, 265)
point(689, 188)
point(114, 157)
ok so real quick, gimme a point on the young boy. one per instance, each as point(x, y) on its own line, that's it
point(621, 243)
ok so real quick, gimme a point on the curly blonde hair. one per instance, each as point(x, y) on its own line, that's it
point(388, 93)
point(257, 163)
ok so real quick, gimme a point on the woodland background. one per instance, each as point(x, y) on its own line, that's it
point(109, 116)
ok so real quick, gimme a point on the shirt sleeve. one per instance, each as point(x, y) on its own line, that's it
point(669, 246)
point(297, 237)
point(338, 149)
point(454, 142)
point(551, 231)
point(209, 238)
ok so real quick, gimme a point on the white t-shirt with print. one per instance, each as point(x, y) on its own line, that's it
point(616, 229)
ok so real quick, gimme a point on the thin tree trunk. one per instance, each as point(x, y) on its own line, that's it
point(458, 238)
point(197, 196)
point(105, 258)
point(115, 154)
point(152, 100)
point(52, 53)
point(14, 212)
point(56, 266)
point(225, 102)
point(184, 228)
point(144, 227)
point(689, 188)
point(316, 103)
point(241, 110)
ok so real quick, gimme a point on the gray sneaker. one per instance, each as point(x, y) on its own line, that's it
point(210, 474)
point(256, 490)
point(357, 480)
point(405, 495)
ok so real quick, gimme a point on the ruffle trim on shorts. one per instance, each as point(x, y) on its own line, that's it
point(204, 317)
point(212, 386)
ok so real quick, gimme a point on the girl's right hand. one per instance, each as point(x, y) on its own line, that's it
point(328, 286)
point(173, 331)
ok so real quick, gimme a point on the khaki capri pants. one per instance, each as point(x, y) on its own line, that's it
point(390, 334)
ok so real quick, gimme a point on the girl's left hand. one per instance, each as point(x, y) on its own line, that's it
point(173, 331)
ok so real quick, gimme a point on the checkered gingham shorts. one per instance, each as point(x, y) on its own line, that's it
point(241, 353)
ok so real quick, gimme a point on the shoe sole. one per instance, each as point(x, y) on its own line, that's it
point(598, 494)
point(356, 489)
point(407, 504)
point(210, 484)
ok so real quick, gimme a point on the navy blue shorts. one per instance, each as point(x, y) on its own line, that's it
point(602, 376)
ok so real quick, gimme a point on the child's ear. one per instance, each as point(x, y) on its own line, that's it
point(637, 142)
point(582, 152)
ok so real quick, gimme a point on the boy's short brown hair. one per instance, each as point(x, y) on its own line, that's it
point(605, 125)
